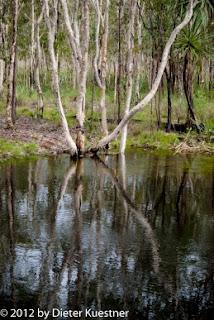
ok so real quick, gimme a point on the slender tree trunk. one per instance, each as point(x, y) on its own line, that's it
point(80, 54)
point(129, 67)
point(55, 79)
point(119, 63)
point(40, 102)
point(2, 68)
point(169, 107)
point(115, 85)
point(32, 49)
point(188, 88)
point(11, 96)
point(80, 141)
point(101, 52)
point(155, 85)
point(139, 59)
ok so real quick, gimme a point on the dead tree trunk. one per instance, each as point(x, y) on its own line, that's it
point(11, 95)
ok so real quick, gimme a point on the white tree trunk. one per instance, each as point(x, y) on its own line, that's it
point(40, 102)
point(80, 54)
point(55, 79)
point(32, 49)
point(11, 95)
point(152, 92)
point(129, 67)
point(100, 60)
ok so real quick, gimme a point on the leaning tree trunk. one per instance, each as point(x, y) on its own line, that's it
point(11, 95)
point(55, 79)
point(113, 135)
point(188, 88)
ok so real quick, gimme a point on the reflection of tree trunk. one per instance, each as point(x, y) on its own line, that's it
point(161, 200)
point(180, 197)
point(10, 210)
point(10, 201)
point(138, 215)
point(122, 161)
point(78, 189)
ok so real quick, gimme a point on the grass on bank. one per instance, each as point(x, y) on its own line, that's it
point(142, 130)
point(17, 149)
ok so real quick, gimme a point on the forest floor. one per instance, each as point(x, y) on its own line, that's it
point(32, 136)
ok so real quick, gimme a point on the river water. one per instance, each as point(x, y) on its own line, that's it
point(132, 233)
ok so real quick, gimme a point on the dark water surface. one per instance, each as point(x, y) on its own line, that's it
point(134, 233)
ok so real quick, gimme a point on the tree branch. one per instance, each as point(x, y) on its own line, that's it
point(103, 142)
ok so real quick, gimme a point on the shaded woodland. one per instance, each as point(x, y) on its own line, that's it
point(113, 59)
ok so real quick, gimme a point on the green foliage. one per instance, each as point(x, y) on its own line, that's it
point(151, 140)
point(16, 149)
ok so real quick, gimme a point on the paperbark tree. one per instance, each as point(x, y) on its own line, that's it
point(129, 68)
point(100, 59)
point(113, 135)
point(11, 95)
point(51, 26)
point(79, 44)
point(3, 46)
point(32, 47)
point(40, 102)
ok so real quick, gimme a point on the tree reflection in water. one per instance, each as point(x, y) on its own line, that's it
point(120, 233)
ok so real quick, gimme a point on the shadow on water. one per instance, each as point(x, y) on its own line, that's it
point(117, 233)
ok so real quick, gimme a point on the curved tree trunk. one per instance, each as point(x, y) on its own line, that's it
point(55, 79)
point(101, 144)
point(80, 55)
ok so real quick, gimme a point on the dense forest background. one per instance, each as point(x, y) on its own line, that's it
point(97, 59)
